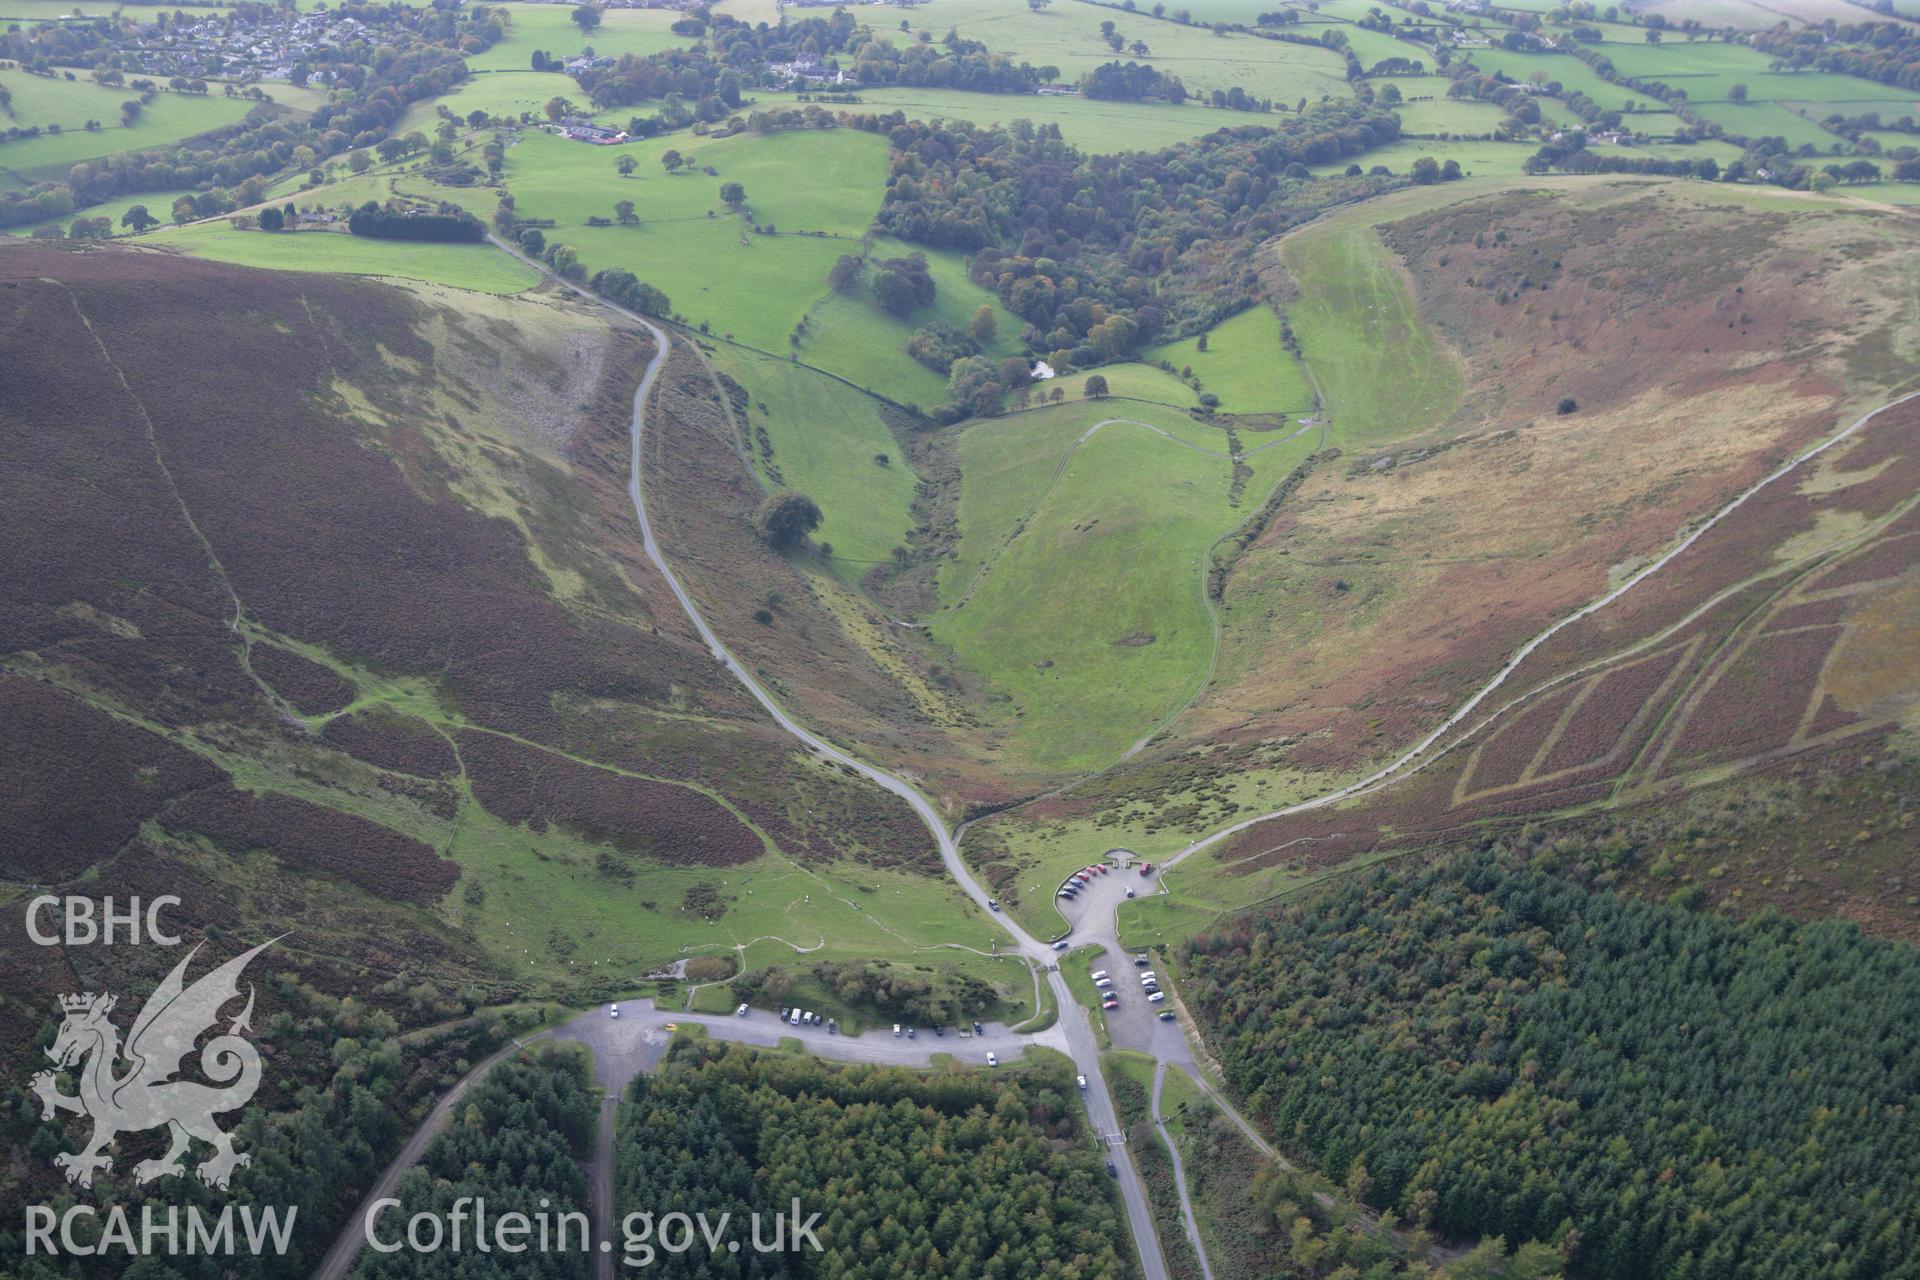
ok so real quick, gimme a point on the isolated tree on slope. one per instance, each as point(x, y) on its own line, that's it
point(586, 17)
point(984, 327)
point(785, 519)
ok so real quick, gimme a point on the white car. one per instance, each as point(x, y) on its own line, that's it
point(993, 1060)
point(741, 1012)
point(613, 1011)
point(1148, 977)
point(1129, 891)
point(896, 1031)
point(1099, 974)
point(1083, 1081)
point(1103, 983)
point(1156, 997)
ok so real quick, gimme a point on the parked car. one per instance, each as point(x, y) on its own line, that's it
point(1112, 1170)
point(1129, 891)
point(1082, 1080)
point(1146, 868)
point(1109, 1004)
point(1166, 1015)
point(1060, 945)
point(993, 904)
point(741, 1012)
point(1148, 977)
point(833, 1027)
point(909, 1033)
point(1103, 983)
point(896, 1031)
point(941, 1032)
point(993, 1060)
point(1099, 974)
point(978, 1029)
point(613, 1011)
point(1155, 997)
point(1139, 962)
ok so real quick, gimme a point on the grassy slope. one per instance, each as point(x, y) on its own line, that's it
point(1068, 36)
point(469, 266)
point(1244, 364)
point(1082, 568)
point(713, 268)
point(37, 100)
point(1384, 373)
point(824, 436)
point(550, 28)
point(1089, 123)
point(852, 336)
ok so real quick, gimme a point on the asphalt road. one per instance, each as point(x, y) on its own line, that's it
point(346, 1249)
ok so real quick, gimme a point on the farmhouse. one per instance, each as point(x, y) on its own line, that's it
point(581, 129)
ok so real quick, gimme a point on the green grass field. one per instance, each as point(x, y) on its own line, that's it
point(1076, 590)
point(157, 202)
point(825, 436)
point(550, 28)
point(1769, 119)
point(1068, 36)
point(714, 268)
point(1089, 123)
point(468, 266)
point(38, 100)
point(1384, 373)
point(1454, 116)
point(1477, 158)
point(851, 334)
point(1244, 364)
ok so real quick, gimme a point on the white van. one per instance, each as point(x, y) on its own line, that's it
point(896, 1031)
point(794, 1017)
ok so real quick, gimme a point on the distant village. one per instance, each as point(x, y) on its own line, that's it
point(237, 47)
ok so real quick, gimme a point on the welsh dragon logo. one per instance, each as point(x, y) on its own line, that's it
point(146, 1096)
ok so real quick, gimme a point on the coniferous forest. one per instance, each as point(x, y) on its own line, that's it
point(1670, 1095)
point(971, 1173)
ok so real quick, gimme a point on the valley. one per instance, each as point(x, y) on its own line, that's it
point(609, 528)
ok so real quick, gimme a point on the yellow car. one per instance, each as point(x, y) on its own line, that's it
point(673, 1026)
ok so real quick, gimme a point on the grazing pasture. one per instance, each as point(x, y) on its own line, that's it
point(853, 336)
point(1383, 371)
point(1068, 36)
point(1094, 125)
point(468, 266)
point(1077, 586)
point(550, 29)
point(809, 432)
point(1244, 364)
point(37, 100)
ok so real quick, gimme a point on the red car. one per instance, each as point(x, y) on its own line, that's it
point(1146, 868)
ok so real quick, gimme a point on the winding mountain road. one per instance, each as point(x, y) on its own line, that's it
point(1077, 1030)
point(1074, 1032)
